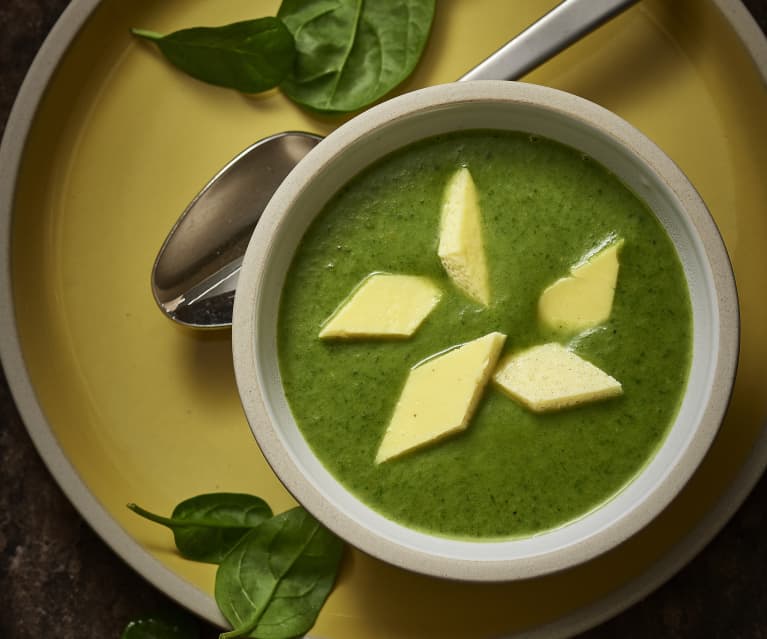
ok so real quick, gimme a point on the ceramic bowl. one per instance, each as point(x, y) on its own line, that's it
point(602, 135)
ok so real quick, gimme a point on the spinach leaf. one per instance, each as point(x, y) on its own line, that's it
point(274, 582)
point(250, 56)
point(162, 625)
point(350, 53)
point(208, 526)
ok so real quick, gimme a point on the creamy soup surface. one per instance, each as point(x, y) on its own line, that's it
point(513, 472)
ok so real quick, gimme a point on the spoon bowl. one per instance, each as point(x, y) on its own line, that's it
point(195, 274)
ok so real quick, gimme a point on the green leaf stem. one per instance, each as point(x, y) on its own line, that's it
point(250, 56)
point(207, 527)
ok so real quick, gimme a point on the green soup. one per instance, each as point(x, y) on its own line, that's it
point(512, 472)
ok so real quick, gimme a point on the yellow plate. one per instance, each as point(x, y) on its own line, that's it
point(126, 406)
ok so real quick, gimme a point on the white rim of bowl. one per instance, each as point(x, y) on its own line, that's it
point(14, 139)
point(254, 334)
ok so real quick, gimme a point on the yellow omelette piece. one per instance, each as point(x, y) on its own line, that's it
point(383, 305)
point(440, 396)
point(585, 298)
point(550, 377)
point(460, 240)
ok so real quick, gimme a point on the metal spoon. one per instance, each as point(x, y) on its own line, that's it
point(195, 274)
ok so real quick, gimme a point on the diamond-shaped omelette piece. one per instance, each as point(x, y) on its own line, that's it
point(383, 305)
point(584, 299)
point(550, 377)
point(460, 238)
point(440, 396)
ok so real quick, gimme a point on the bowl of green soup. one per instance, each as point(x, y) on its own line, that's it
point(485, 331)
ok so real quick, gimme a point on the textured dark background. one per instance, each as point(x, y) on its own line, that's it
point(59, 580)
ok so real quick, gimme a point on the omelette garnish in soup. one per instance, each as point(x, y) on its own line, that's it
point(558, 284)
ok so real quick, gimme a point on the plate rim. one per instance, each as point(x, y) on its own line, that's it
point(18, 127)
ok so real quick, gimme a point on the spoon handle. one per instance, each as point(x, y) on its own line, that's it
point(559, 28)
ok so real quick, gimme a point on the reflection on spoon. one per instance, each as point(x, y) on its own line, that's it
point(195, 274)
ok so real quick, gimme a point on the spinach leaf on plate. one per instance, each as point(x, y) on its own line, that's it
point(273, 584)
point(350, 53)
point(250, 56)
point(207, 527)
point(162, 625)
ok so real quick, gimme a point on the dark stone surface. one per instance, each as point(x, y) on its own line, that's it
point(58, 579)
